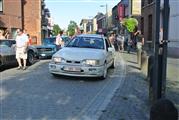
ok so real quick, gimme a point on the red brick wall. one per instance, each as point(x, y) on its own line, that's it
point(11, 16)
point(32, 18)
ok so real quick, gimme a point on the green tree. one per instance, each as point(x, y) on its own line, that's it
point(71, 28)
point(56, 30)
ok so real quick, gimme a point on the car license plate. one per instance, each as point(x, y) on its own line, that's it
point(43, 55)
point(72, 69)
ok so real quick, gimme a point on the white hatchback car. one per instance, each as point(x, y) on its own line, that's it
point(87, 55)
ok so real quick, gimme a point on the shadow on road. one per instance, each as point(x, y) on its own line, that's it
point(77, 78)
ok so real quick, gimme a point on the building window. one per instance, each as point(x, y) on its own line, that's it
point(150, 28)
point(1, 5)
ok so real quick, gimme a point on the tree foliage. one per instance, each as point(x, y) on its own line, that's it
point(71, 28)
point(130, 24)
point(56, 30)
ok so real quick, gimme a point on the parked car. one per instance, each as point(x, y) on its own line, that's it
point(87, 55)
point(7, 52)
point(48, 47)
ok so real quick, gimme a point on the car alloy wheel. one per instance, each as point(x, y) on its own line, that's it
point(30, 58)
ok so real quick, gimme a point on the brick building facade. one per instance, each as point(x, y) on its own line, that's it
point(25, 14)
point(32, 19)
point(147, 22)
point(10, 16)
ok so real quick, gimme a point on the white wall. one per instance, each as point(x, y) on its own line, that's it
point(174, 23)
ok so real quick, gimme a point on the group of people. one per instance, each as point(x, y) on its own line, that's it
point(118, 41)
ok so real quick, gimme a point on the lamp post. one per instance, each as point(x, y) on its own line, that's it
point(106, 6)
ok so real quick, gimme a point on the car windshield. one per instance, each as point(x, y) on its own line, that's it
point(87, 42)
point(65, 39)
point(49, 41)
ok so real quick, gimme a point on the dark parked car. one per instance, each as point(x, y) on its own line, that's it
point(48, 47)
point(7, 52)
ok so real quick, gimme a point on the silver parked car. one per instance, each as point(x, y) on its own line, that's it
point(7, 53)
point(88, 55)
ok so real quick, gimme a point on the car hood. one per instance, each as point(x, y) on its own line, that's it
point(45, 46)
point(80, 53)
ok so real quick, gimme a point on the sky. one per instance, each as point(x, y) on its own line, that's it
point(62, 11)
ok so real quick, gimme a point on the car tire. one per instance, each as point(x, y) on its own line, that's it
point(104, 72)
point(30, 58)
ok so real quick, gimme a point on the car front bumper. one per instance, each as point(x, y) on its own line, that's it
point(74, 70)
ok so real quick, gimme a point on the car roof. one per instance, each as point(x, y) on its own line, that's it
point(91, 35)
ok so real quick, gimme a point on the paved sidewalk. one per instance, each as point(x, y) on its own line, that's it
point(131, 100)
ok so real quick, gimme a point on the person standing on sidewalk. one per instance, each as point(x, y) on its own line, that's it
point(139, 44)
point(21, 49)
point(111, 38)
point(59, 42)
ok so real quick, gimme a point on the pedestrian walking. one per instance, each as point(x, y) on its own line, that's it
point(139, 45)
point(163, 109)
point(21, 49)
point(120, 40)
point(116, 43)
point(111, 38)
point(59, 41)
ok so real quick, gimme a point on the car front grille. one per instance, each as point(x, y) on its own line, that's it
point(44, 49)
point(73, 62)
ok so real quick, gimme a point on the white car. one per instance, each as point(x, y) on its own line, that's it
point(87, 55)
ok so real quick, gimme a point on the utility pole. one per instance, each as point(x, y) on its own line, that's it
point(106, 16)
point(165, 42)
point(106, 6)
point(155, 81)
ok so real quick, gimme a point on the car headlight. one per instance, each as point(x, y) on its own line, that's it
point(57, 59)
point(91, 62)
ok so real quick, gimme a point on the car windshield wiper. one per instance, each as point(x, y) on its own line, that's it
point(88, 47)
